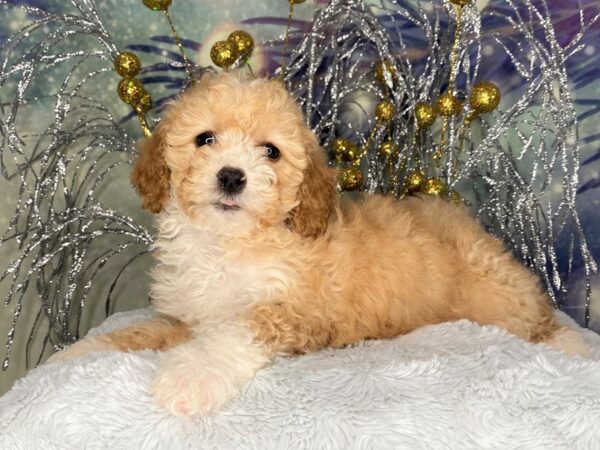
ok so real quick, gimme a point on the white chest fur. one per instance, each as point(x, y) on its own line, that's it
point(200, 276)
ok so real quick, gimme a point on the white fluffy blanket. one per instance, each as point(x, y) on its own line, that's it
point(449, 386)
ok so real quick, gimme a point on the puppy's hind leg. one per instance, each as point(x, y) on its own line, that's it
point(160, 333)
point(498, 290)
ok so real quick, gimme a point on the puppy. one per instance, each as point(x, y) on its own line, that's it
point(258, 256)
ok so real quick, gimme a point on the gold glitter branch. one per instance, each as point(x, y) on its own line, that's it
point(163, 5)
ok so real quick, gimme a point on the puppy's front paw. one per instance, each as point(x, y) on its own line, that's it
point(199, 377)
point(192, 391)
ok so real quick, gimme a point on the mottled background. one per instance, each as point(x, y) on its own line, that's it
point(202, 23)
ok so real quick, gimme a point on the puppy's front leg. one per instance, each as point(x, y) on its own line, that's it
point(159, 333)
point(293, 327)
point(204, 373)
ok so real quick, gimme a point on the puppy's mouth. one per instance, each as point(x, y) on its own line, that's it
point(227, 204)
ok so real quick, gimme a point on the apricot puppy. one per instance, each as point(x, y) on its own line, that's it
point(257, 255)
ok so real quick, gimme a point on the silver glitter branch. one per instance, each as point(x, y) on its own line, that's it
point(66, 237)
point(533, 211)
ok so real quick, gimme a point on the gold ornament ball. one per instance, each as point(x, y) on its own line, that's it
point(157, 5)
point(448, 105)
point(144, 103)
point(435, 187)
point(223, 53)
point(460, 3)
point(130, 90)
point(425, 114)
point(351, 178)
point(344, 150)
point(414, 181)
point(455, 197)
point(243, 42)
point(384, 111)
point(127, 64)
point(485, 97)
point(388, 149)
point(380, 71)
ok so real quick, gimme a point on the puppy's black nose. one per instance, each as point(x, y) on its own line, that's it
point(231, 180)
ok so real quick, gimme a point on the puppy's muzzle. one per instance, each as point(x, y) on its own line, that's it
point(231, 180)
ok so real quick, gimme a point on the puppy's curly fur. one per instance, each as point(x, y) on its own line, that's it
point(286, 266)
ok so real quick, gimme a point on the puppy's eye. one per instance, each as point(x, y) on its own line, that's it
point(272, 152)
point(206, 138)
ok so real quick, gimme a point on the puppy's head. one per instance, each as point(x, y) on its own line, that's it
point(235, 154)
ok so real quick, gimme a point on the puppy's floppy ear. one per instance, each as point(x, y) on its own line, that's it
point(317, 194)
point(150, 175)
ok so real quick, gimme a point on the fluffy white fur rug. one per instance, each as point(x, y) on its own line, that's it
point(450, 386)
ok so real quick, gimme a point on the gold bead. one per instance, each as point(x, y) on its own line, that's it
point(435, 187)
point(460, 3)
point(485, 97)
point(455, 197)
point(388, 149)
point(296, 2)
point(384, 111)
point(351, 178)
point(448, 105)
point(144, 103)
point(130, 90)
point(157, 5)
point(243, 42)
point(223, 53)
point(344, 150)
point(414, 181)
point(381, 68)
point(127, 64)
point(425, 114)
